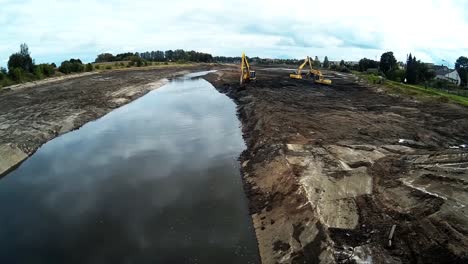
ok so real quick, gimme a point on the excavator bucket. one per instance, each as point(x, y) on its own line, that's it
point(324, 81)
point(295, 76)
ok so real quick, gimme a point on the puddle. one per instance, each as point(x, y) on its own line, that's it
point(155, 181)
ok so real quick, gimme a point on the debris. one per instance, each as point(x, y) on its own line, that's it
point(390, 236)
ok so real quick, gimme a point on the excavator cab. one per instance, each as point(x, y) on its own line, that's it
point(315, 74)
point(247, 74)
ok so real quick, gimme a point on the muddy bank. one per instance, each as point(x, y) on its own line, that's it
point(330, 171)
point(31, 115)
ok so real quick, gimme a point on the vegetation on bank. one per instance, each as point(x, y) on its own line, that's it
point(413, 78)
point(418, 91)
point(22, 68)
point(178, 55)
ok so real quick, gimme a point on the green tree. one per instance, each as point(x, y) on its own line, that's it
point(3, 76)
point(136, 60)
point(169, 54)
point(397, 75)
point(105, 57)
point(417, 72)
point(342, 64)
point(17, 74)
point(326, 63)
point(461, 65)
point(424, 73)
point(411, 70)
point(72, 65)
point(89, 67)
point(123, 56)
point(21, 59)
point(388, 62)
point(365, 64)
point(317, 62)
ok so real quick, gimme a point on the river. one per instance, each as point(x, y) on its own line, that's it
point(155, 181)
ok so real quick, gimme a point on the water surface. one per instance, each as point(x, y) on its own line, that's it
point(155, 181)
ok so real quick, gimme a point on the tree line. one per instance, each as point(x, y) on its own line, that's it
point(178, 55)
point(412, 72)
point(22, 68)
point(256, 60)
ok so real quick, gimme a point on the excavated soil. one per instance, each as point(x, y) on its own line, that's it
point(32, 114)
point(330, 171)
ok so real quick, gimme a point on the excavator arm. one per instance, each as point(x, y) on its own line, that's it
point(246, 73)
point(298, 73)
point(318, 76)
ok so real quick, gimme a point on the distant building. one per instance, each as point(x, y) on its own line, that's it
point(440, 67)
point(444, 73)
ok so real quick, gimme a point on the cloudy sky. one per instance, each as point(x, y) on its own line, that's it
point(434, 30)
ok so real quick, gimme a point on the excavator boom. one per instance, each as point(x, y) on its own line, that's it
point(298, 73)
point(246, 73)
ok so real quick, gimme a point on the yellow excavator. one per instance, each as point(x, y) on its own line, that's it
point(316, 74)
point(246, 73)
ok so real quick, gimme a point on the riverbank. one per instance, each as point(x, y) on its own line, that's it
point(331, 171)
point(32, 114)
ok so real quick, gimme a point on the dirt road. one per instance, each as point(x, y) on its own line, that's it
point(31, 115)
point(330, 171)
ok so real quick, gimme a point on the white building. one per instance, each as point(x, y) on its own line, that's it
point(449, 75)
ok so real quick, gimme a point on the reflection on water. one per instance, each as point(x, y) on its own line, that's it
point(156, 181)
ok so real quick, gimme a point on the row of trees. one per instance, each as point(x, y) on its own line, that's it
point(21, 68)
point(258, 60)
point(417, 72)
point(158, 56)
point(414, 72)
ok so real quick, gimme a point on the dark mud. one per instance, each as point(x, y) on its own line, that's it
point(340, 165)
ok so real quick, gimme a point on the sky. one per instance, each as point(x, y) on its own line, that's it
point(433, 30)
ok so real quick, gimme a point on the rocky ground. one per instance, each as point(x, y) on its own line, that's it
point(33, 113)
point(330, 171)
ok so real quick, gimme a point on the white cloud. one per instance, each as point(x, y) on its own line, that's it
point(56, 30)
